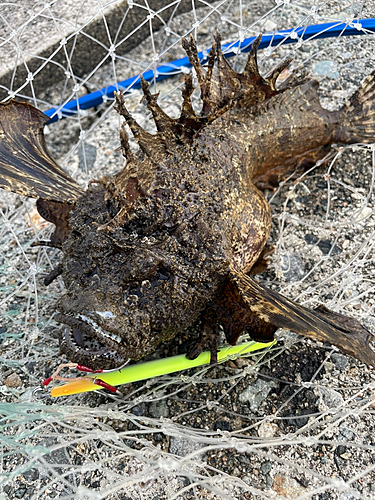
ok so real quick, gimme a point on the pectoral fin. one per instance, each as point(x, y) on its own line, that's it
point(273, 308)
point(57, 213)
point(26, 166)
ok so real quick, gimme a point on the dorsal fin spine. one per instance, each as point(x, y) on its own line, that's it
point(218, 94)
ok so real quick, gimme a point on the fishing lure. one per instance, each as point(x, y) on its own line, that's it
point(177, 235)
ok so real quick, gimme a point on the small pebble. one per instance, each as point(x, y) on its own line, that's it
point(139, 410)
point(303, 481)
point(311, 239)
point(266, 467)
point(340, 361)
point(269, 481)
point(292, 267)
point(267, 430)
point(222, 425)
point(345, 434)
point(327, 247)
point(13, 381)
point(340, 450)
point(328, 398)
point(256, 393)
point(356, 196)
point(20, 492)
point(158, 409)
point(366, 212)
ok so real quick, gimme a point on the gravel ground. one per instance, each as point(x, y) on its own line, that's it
point(296, 422)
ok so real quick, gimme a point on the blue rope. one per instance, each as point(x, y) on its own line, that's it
point(327, 30)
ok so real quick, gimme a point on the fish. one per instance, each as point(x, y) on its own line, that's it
point(178, 234)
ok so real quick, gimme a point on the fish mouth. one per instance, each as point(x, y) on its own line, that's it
point(84, 342)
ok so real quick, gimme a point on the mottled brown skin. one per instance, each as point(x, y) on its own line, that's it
point(177, 234)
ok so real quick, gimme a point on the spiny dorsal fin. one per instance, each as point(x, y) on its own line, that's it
point(146, 141)
point(163, 122)
point(248, 89)
point(204, 77)
point(219, 94)
point(188, 118)
point(137, 175)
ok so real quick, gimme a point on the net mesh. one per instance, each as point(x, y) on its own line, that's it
point(293, 422)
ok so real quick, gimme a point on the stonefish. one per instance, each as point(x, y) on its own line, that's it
point(176, 236)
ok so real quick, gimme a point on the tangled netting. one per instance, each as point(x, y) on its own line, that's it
point(294, 422)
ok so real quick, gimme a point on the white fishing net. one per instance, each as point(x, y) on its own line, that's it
point(294, 422)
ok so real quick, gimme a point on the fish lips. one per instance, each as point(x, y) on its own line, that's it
point(87, 351)
point(87, 343)
point(101, 331)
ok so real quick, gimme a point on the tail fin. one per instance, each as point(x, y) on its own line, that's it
point(26, 166)
point(322, 324)
point(358, 123)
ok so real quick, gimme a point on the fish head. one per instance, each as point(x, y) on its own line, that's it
point(136, 282)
